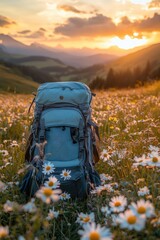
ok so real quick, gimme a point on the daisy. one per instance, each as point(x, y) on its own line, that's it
point(106, 210)
point(153, 148)
point(154, 159)
point(143, 208)
point(85, 218)
point(4, 153)
point(30, 206)
point(105, 155)
point(48, 168)
point(65, 196)
point(47, 194)
point(129, 220)
point(52, 183)
point(3, 186)
point(118, 203)
point(106, 187)
point(143, 191)
point(141, 161)
point(95, 232)
point(4, 231)
point(66, 174)
point(105, 177)
point(52, 214)
point(10, 206)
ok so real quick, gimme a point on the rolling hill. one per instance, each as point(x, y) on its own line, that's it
point(131, 61)
point(13, 81)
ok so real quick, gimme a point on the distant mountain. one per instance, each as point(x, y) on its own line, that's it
point(13, 81)
point(73, 57)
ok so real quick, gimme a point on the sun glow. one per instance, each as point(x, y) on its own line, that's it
point(142, 2)
point(128, 42)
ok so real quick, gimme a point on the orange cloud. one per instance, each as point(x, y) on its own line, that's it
point(97, 25)
point(69, 8)
point(5, 21)
point(101, 26)
point(155, 4)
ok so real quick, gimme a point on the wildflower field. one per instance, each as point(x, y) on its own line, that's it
point(125, 206)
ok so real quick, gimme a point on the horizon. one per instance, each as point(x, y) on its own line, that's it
point(126, 24)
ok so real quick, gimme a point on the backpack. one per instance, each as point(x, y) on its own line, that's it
point(63, 136)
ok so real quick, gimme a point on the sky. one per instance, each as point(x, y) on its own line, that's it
point(82, 23)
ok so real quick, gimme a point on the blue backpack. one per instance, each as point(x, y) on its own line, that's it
point(63, 137)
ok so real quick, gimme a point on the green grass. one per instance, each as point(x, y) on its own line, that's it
point(12, 81)
point(129, 123)
point(43, 64)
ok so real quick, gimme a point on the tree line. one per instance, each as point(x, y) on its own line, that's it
point(127, 78)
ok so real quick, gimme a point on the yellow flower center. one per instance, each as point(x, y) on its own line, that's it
point(105, 155)
point(65, 174)
point(131, 219)
point(86, 219)
point(47, 192)
point(117, 204)
point(48, 168)
point(3, 233)
point(51, 184)
point(154, 159)
point(141, 210)
point(94, 236)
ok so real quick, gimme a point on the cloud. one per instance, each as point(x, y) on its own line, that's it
point(154, 4)
point(5, 22)
point(69, 8)
point(24, 32)
point(103, 26)
point(149, 24)
point(40, 33)
point(98, 25)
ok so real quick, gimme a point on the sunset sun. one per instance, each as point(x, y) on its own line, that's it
point(128, 42)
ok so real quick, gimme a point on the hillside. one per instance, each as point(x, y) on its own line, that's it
point(13, 81)
point(131, 61)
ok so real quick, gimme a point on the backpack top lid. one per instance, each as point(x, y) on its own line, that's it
point(64, 92)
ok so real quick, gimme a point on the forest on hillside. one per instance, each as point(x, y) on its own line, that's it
point(127, 78)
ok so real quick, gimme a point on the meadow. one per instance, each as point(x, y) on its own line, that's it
point(126, 206)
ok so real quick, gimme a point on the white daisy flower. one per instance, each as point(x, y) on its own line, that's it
point(85, 218)
point(106, 187)
point(52, 214)
point(30, 206)
point(95, 232)
point(118, 203)
point(154, 159)
point(143, 191)
point(65, 196)
point(140, 161)
point(143, 208)
point(47, 194)
point(10, 206)
point(48, 168)
point(106, 210)
point(3, 186)
point(4, 153)
point(105, 177)
point(129, 220)
point(66, 174)
point(52, 183)
point(4, 231)
point(153, 148)
point(105, 155)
